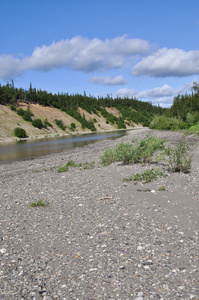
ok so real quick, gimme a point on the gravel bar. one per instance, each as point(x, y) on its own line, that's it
point(99, 238)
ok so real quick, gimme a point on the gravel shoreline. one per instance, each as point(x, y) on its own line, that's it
point(99, 238)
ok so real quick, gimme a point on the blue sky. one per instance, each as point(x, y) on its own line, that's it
point(148, 49)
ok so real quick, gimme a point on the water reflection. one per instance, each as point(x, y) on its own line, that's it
point(31, 149)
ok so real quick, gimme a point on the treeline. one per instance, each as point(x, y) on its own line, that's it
point(183, 114)
point(132, 110)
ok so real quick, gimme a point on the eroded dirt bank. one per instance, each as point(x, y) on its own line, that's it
point(9, 120)
point(99, 238)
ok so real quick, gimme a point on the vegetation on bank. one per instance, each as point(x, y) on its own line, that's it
point(130, 110)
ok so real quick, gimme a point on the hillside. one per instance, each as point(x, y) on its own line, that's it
point(61, 114)
point(9, 120)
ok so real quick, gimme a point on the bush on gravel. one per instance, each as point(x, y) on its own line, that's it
point(179, 157)
point(133, 153)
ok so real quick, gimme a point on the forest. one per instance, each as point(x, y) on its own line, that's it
point(183, 114)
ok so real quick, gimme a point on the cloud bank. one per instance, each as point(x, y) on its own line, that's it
point(79, 54)
point(90, 55)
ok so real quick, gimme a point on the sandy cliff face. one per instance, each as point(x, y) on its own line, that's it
point(9, 120)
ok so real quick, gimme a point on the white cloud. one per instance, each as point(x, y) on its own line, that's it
point(107, 80)
point(77, 53)
point(168, 62)
point(125, 92)
point(164, 95)
point(9, 66)
point(163, 102)
point(163, 91)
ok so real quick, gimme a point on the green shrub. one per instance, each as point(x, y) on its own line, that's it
point(165, 123)
point(27, 115)
point(147, 147)
point(194, 129)
point(120, 124)
point(130, 153)
point(81, 119)
point(12, 107)
point(95, 112)
point(37, 123)
point(20, 111)
point(72, 126)
point(20, 132)
point(179, 157)
point(124, 152)
point(190, 119)
point(47, 124)
point(108, 157)
point(60, 124)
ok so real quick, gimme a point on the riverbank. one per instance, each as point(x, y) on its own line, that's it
point(6, 140)
point(99, 238)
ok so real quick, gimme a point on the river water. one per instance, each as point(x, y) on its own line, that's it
point(30, 149)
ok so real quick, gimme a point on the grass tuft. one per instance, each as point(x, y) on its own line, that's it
point(88, 166)
point(146, 176)
point(39, 203)
point(161, 188)
point(144, 190)
point(70, 163)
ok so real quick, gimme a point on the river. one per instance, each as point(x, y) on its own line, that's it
point(31, 149)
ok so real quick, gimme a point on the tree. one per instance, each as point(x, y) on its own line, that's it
point(195, 87)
